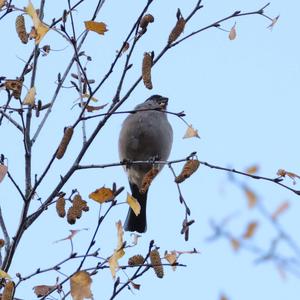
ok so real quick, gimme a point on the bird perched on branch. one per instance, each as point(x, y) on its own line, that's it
point(145, 135)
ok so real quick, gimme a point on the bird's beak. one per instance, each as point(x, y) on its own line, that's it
point(163, 102)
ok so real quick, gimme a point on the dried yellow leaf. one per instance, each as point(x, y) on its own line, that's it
point(191, 132)
point(40, 28)
point(98, 27)
point(2, 3)
point(4, 275)
point(172, 259)
point(102, 195)
point(3, 171)
point(81, 286)
point(134, 204)
point(113, 265)
point(250, 230)
point(232, 32)
point(30, 97)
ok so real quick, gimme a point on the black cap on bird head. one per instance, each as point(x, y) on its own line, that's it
point(162, 101)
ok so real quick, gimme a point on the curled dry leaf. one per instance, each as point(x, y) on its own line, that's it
point(3, 171)
point(81, 286)
point(283, 173)
point(40, 28)
point(146, 70)
point(251, 197)
point(250, 230)
point(91, 108)
point(102, 195)
point(232, 32)
point(15, 86)
point(177, 30)
point(188, 169)
point(134, 204)
point(98, 27)
point(43, 290)
point(191, 132)
point(274, 21)
point(147, 179)
point(119, 251)
point(280, 209)
point(64, 142)
point(21, 29)
point(9, 290)
point(30, 97)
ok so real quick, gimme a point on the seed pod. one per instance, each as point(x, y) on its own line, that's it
point(79, 203)
point(177, 30)
point(60, 207)
point(188, 169)
point(147, 179)
point(146, 70)
point(9, 290)
point(72, 215)
point(64, 142)
point(146, 20)
point(136, 260)
point(156, 263)
point(21, 29)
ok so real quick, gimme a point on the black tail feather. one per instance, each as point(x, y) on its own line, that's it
point(133, 222)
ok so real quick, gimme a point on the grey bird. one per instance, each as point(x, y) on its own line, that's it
point(145, 136)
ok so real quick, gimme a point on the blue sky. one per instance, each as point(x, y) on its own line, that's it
point(242, 96)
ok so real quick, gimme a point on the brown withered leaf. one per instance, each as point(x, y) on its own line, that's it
point(3, 171)
point(43, 290)
point(284, 206)
point(91, 108)
point(81, 286)
point(191, 132)
point(98, 27)
point(147, 179)
point(235, 244)
point(232, 32)
point(252, 169)
point(134, 204)
point(188, 169)
point(250, 230)
point(251, 197)
point(2, 3)
point(102, 195)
